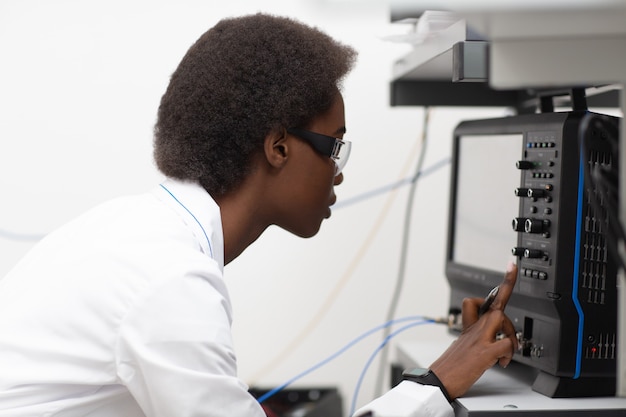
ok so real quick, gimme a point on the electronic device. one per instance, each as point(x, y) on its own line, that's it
point(301, 402)
point(518, 189)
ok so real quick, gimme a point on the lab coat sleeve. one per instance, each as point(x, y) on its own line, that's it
point(408, 399)
point(175, 353)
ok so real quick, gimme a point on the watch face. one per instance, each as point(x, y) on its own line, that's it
point(416, 372)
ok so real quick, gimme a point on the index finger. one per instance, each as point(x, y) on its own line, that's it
point(506, 288)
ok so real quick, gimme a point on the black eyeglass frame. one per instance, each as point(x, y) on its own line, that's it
point(324, 144)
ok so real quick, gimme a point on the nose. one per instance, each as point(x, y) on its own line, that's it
point(339, 178)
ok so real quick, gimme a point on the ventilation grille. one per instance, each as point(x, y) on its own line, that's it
point(594, 259)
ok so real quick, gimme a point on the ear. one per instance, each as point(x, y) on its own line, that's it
point(276, 147)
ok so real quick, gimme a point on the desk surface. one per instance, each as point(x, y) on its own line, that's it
point(504, 391)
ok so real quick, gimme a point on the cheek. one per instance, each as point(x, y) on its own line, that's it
point(320, 189)
point(310, 193)
point(309, 206)
point(313, 198)
point(317, 181)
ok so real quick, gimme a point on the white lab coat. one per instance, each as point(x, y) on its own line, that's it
point(123, 312)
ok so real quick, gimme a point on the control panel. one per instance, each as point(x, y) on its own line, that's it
point(568, 329)
point(564, 306)
point(539, 170)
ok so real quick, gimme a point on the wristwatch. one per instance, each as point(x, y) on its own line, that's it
point(425, 377)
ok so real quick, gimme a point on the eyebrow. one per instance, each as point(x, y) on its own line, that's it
point(342, 129)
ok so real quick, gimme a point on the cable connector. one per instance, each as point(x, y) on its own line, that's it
point(455, 319)
point(438, 320)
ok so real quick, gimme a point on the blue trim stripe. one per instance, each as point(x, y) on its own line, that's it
point(581, 315)
point(191, 214)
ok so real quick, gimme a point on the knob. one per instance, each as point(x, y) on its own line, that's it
point(517, 251)
point(518, 224)
point(521, 192)
point(536, 225)
point(536, 192)
point(533, 253)
point(524, 165)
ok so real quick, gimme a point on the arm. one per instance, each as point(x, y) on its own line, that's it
point(477, 348)
point(459, 367)
point(175, 351)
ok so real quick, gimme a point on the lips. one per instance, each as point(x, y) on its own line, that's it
point(333, 200)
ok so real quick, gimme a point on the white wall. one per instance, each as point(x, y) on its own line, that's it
point(80, 82)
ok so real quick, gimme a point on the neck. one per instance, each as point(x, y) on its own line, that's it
point(243, 219)
point(239, 230)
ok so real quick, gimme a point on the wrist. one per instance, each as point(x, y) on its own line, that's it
point(425, 376)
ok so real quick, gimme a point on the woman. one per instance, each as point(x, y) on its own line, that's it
point(124, 311)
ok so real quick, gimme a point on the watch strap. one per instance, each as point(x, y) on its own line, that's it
point(425, 377)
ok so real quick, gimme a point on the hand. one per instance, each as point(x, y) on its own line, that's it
point(477, 348)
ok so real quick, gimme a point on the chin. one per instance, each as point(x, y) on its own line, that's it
point(305, 232)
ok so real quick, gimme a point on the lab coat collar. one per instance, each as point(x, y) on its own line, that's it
point(199, 211)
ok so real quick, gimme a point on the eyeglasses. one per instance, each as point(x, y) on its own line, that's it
point(336, 149)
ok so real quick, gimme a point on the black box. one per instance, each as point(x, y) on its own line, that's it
point(302, 402)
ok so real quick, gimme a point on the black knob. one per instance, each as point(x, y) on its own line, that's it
point(533, 253)
point(521, 192)
point(536, 225)
point(536, 192)
point(518, 224)
point(524, 165)
point(517, 251)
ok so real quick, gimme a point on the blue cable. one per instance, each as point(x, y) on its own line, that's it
point(373, 355)
point(20, 236)
point(390, 187)
point(270, 393)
